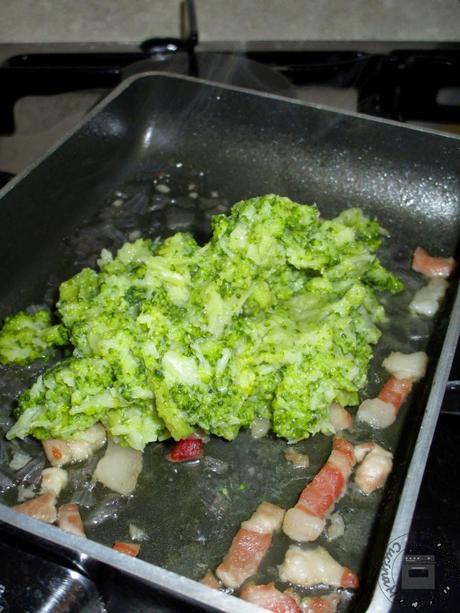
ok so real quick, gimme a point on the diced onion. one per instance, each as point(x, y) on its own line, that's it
point(119, 469)
point(19, 460)
point(340, 418)
point(298, 460)
point(215, 465)
point(25, 493)
point(260, 427)
point(336, 527)
point(109, 508)
point(137, 534)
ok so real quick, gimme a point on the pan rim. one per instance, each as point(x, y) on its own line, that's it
point(125, 84)
point(143, 570)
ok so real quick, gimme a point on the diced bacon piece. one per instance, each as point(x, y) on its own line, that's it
point(250, 545)
point(374, 469)
point(60, 452)
point(246, 552)
point(69, 519)
point(381, 412)
point(362, 449)
point(406, 365)
point(56, 451)
point(376, 413)
point(130, 549)
point(306, 520)
point(187, 449)
point(339, 417)
point(321, 604)
point(427, 299)
point(395, 391)
point(42, 507)
point(313, 567)
point(431, 266)
point(298, 460)
point(211, 581)
point(269, 598)
point(54, 480)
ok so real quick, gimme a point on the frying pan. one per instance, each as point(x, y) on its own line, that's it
point(105, 183)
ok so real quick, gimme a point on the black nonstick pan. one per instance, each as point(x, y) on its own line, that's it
point(164, 153)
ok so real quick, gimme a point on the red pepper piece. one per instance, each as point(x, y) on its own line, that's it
point(187, 449)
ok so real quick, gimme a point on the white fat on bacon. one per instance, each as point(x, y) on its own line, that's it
point(60, 452)
point(307, 519)
point(340, 418)
point(270, 598)
point(315, 567)
point(266, 519)
point(69, 519)
point(427, 299)
point(377, 413)
point(374, 468)
point(302, 526)
point(406, 365)
point(54, 480)
point(42, 507)
point(250, 545)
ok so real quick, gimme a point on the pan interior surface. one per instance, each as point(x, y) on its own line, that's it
point(165, 154)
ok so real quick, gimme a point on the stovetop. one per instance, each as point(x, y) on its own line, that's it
point(43, 94)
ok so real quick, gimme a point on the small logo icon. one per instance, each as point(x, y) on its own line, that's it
point(420, 574)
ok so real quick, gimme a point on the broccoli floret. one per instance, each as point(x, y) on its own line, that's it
point(26, 337)
point(274, 317)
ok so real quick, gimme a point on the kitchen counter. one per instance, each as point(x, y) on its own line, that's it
point(238, 20)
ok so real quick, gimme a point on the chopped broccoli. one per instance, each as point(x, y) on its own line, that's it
point(275, 317)
point(26, 337)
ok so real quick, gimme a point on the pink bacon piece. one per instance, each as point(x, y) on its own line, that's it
point(250, 545)
point(315, 567)
point(60, 452)
point(430, 266)
point(130, 549)
point(405, 369)
point(395, 391)
point(306, 520)
point(69, 519)
point(270, 598)
point(321, 604)
point(42, 507)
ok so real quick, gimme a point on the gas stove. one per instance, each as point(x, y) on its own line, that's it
point(43, 93)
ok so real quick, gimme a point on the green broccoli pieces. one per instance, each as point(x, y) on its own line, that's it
point(26, 337)
point(274, 317)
